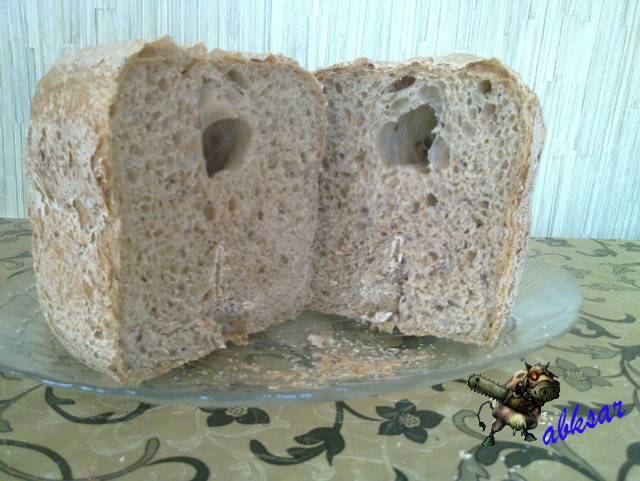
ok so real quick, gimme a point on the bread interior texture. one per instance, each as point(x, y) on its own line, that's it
point(424, 210)
point(219, 199)
point(205, 221)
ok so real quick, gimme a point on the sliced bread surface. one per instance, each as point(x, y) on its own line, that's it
point(425, 194)
point(174, 200)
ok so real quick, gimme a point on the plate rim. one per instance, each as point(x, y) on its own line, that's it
point(346, 390)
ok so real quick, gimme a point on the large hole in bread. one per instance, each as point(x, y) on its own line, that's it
point(411, 140)
point(224, 144)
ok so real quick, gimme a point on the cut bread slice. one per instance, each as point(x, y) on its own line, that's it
point(425, 194)
point(174, 200)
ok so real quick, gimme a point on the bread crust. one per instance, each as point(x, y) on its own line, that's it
point(74, 168)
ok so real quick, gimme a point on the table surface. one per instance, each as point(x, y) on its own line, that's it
point(430, 433)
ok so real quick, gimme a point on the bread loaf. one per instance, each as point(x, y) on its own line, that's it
point(173, 200)
point(425, 194)
point(175, 195)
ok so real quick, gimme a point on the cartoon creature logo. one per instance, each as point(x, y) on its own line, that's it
point(517, 402)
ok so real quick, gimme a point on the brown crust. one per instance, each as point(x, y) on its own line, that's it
point(83, 176)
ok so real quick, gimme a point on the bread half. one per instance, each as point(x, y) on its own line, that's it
point(425, 194)
point(174, 200)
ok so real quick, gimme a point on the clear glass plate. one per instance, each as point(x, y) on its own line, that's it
point(316, 357)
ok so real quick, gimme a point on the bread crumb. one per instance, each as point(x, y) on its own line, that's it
point(381, 317)
point(320, 340)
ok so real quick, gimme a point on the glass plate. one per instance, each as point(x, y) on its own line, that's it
point(316, 357)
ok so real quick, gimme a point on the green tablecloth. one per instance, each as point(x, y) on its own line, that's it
point(430, 433)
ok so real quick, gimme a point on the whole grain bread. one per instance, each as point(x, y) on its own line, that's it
point(173, 200)
point(425, 194)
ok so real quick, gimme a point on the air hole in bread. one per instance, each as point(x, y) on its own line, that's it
point(410, 138)
point(489, 111)
point(400, 104)
point(239, 78)
point(430, 94)
point(224, 144)
point(83, 214)
point(485, 87)
point(338, 87)
point(432, 200)
point(401, 83)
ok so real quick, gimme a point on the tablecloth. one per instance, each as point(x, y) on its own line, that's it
point(429, 433)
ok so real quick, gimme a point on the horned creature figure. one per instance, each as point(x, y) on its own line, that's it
point(517, 403)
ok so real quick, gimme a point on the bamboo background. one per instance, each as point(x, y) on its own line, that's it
point(580, 57)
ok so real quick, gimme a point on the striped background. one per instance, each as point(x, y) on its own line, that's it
point(580, 57)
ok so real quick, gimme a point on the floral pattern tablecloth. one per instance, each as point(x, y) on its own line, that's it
point(430, 433)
